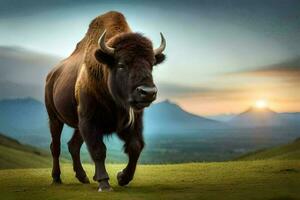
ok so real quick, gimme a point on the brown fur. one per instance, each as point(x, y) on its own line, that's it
point(89, 93)
point(115, 24)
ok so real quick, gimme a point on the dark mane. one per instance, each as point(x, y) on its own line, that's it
point(135, 44)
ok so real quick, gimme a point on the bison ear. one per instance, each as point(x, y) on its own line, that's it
point(159, 58)
point(104, 58)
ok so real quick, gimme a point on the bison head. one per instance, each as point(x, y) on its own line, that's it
point(130, 59)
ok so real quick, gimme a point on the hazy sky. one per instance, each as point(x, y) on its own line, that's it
point(221, 55)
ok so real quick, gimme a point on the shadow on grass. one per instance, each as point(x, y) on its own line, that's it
point(125, 189)
point(283, 198)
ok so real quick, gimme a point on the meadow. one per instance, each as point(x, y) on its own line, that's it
point(272, 174)
point(264, 179)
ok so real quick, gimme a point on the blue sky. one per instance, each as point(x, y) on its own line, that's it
point(206, 41)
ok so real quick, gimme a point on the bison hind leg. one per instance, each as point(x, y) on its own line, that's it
point(74, 146)
point(56, 127)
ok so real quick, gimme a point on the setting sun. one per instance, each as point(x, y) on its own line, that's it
point(261, 103)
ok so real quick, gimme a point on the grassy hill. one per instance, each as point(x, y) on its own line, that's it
point(16, 155)
point(265, 180)
point(271, 174)
point(286, 152)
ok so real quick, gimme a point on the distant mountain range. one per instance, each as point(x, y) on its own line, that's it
point(222, 117)
point(264, 117)
point(168, 117)
point(28, 117)
point(259, 117)
point(165, 123)
point(172, 134)
point(22, 118)
point(25, 120)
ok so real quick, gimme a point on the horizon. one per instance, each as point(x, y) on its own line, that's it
point(231, 54)
point(176, 104)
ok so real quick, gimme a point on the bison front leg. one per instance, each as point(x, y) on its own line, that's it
point(133, 148)
point(94, 141)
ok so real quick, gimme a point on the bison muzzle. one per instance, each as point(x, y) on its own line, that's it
point(100, 89)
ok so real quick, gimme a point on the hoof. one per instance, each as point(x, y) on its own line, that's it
point(84, 180)
point(122, 179)
point(56, 181)
point(105, 189)
point(104, 186)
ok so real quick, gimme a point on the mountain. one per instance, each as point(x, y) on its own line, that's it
point(13, 155)
point(293, 118)
point(289, 151)
point(23, 72)
point(23, 114)
point(168, 117)
point(165, 124)
point(172, 135)
point(258, 117)
point(222, 117)
point(25, 120)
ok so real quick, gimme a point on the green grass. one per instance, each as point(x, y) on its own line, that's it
point(16, 155)
point(272, 174)
point(14, 144)
point(225, 180)
point(286, 152)
point(11, 159)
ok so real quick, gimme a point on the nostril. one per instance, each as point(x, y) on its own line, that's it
point(146, 91)
point(141, 91)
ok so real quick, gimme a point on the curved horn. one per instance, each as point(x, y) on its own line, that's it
point(162, 46)
point(103, 46)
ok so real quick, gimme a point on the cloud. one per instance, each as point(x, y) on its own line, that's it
point(285, 71)
point(171, 90)
point(278, 82)
point(24, 66)
point(212, 93)
point(232, 92)
point(14, 8)
point(23, 72)
point(16, 90)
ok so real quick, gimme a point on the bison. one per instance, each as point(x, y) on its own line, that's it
point(100, 89)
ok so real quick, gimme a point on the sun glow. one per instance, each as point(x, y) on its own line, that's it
point(261, 103)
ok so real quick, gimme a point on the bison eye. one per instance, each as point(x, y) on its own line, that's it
point(122, 66)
